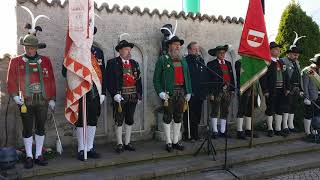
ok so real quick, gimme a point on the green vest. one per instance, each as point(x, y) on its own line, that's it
point(163, 77)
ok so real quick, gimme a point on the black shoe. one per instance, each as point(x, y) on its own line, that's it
point(41, 161)
point(178, 146)
point(129, 147)
point(224, 135)
point(286, 131)
point(80, 155)
point(248, 134)
point(169, 147)
point(270, 133)
point(310, 138)
point(119, 149)
point(28, 163)
point(241, 135)
point(214, 135)
point(294, 130)
point(93, 154)
point(279, 133)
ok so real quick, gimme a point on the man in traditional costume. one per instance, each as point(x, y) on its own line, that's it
point(221, 90)
point(171, 81)
point(31, 83)
point(311, 86)
point(93, 104)
point(295, 87)
point(275, 86)
point(125, 87)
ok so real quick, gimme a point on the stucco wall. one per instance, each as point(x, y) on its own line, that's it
point(143, 27)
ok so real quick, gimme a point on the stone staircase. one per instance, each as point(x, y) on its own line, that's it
point(269, 157)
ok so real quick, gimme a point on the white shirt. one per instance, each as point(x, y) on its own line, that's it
point(221, 61)
point(274, 59)
point(124, 61)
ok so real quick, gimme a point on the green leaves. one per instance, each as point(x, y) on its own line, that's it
point(295, 19)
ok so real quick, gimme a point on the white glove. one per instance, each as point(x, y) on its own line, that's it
point(17, 100)
point(102, 97)
point(117, 98)
point(139, 102)
point(52, 104)
point(187, 97)
point(164, 96)
point(301, 93)
point(307, 101)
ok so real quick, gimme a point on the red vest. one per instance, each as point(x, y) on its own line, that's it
point(128, 77)
point(17, 73)
point(178, 73)
point(225, 73)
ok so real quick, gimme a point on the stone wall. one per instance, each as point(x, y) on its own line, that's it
point(143, 27)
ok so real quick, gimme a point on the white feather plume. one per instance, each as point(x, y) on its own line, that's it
point(123, 34)
point(98, 16)
point(34, 19)
point(175, 29)
point(296, 40)
point(167, 29)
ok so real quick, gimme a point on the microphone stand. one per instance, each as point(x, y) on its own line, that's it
point(210, 146)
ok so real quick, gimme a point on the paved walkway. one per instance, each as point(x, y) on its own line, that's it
point(311, 174)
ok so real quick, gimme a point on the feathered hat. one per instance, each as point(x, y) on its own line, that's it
point(293, 48)
point(33, 28)
point(171, 36)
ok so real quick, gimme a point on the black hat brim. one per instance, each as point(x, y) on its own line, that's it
point(275, 46)
point(118, 47)
point(214, 51)
point(39, 45)
point(176, 40)
point(298, 51)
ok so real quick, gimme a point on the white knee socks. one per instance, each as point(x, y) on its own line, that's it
point(269, 122)
point(119, 134)
point(278, 120)
point(28, 146)
point(239, 124)
point(176, 132)
point(214, 124)
point(90, 138)
point(285, 117)
point(128, 134)
point(248, 122)
point(223, 123)
point(290, 121)
point(167, 131)
point(80, 138)
point(307, 125)
point(39, 145)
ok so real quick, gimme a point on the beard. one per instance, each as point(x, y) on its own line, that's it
point(175, 53)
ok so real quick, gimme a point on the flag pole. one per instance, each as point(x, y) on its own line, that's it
point(252, 118)
point(84, 114)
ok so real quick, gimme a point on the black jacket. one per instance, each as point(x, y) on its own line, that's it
point(114, 76)
point(215, 77)
point(269, 79)
point(198, 75)
point(98, 53)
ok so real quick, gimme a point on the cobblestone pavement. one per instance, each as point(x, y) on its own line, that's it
point(311, 174)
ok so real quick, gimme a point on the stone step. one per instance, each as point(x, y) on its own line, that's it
point(172, 166)
point(146, 151)
point(262, 169)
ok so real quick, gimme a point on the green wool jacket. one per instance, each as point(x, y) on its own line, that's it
point(163, 77)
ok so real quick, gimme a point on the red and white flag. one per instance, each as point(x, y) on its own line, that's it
point(78, 57)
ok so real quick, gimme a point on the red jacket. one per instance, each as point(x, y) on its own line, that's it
point(17, 72)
